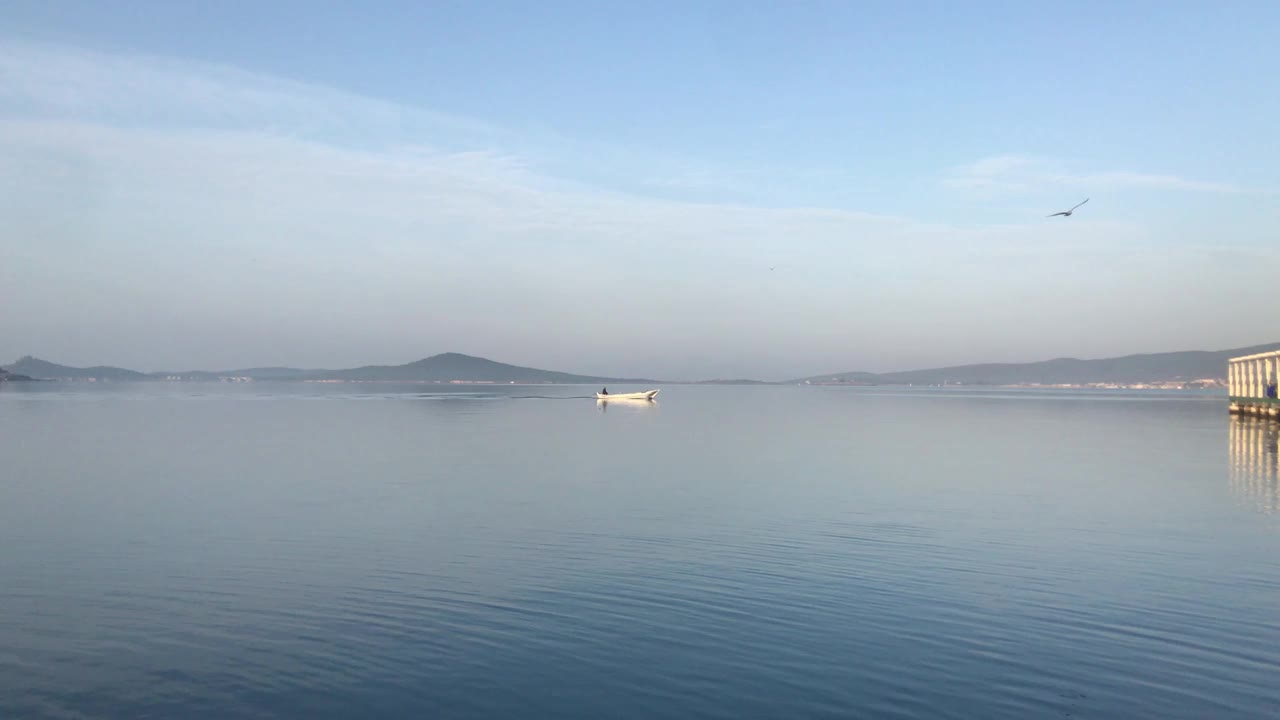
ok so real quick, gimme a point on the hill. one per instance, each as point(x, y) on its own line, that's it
point(456, 366)
point(44, 370)
point(445, 367)
point(1146, 368)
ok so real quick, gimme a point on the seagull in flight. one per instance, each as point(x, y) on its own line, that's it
point(1067, 213)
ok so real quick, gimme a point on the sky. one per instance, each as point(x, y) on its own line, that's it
point(676, 190)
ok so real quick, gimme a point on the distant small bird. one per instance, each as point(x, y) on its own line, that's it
point(1067, 213)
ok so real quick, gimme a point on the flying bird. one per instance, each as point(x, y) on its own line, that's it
point(1067, 213)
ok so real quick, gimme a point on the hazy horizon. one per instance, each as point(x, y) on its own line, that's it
point(585, 372)
point(605, 192)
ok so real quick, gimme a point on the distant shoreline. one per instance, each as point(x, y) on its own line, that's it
point(1184, 370)
point(1162, 386)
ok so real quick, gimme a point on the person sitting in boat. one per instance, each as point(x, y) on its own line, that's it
point(604, 391)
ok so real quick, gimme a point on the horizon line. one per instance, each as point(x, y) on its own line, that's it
point(225, 373)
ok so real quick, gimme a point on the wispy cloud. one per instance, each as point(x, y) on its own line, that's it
point(233, 147)
point(1007, 171)
point(1026, 173)
point(139, 90)
point(128, 90)
point(205, 134)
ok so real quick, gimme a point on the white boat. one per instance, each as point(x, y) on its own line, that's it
point(646, 395)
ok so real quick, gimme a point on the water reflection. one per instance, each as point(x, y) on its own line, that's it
point(629, 403)
point(1255, 461)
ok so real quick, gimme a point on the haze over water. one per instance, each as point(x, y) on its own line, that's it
point(353, 551)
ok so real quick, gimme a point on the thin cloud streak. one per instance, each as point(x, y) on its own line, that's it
point(39, 80)
point(1026, 173)
point(44, 81)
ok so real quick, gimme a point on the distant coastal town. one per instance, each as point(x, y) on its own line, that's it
point(1198, 384)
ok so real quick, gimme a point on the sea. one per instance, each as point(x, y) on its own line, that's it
point(262, 550)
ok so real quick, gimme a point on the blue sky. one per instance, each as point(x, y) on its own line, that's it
point(604, 189)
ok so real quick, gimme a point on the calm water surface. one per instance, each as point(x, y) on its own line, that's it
point(360, 551)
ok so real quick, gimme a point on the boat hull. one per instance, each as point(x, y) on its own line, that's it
point(646, 395)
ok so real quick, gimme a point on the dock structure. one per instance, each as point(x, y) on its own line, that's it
point(1251, 384)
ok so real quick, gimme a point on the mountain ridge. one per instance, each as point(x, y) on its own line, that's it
point(45, 370)
point(452, 366)
point(444, 367)
point(1184, 365)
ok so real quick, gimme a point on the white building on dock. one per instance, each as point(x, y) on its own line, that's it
point(1251, 384)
